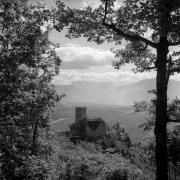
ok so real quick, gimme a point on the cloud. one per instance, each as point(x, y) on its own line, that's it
point(93, 3)
point(76, 57)
point(175, 77)
point(96, 3)
point(93, 65)
point(118, 4)
point(116, 77)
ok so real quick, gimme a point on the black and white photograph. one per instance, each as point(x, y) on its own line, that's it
point(89, 89)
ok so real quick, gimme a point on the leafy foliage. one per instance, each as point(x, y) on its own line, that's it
point(87, 161)
point(173, 142)
point(132, 21)
point(28, 64)
point(150, 107)
point(105, 158)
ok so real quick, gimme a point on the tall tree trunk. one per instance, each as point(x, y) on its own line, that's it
point(161, 112)
point(161, 85)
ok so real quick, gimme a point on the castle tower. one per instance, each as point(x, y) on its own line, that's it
point(80, 113)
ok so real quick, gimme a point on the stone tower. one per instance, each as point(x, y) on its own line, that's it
point(80, 113)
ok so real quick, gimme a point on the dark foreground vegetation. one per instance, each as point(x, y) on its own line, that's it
point(101, 159)
point(28, 62)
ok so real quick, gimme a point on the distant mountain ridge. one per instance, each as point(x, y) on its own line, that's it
point(83, 93)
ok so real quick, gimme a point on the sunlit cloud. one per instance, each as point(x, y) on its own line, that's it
point(116, 77)
point(76, 57)
point(95, 65)
point(96, 3)
point(93, 3)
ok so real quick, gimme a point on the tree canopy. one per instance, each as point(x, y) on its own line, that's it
point(28, 62)
point(136, 21)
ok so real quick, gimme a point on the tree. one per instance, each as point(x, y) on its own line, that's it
point(86, 160)
point(28, 62)
point(173, 143)
point(131, 22)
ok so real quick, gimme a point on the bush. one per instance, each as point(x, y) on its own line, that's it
point(87, 161)
point(118, 175)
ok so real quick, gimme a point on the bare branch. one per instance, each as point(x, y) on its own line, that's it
point(128, 36)
point(174, 44)
point(173, 121)
point(144, 47)
point(175, 70)
point(149, 68)
point(105, 11)
point(169, 69)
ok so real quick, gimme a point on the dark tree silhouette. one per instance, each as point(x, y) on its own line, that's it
point(28, 63)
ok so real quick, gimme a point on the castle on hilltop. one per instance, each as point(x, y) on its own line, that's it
point(87, 127)
point(84, 127)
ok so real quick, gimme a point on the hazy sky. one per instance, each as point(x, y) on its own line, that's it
point(85, 61)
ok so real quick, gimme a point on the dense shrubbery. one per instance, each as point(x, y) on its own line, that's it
point(28, 63)
point(88, 160)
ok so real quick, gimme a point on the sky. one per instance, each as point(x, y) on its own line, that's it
point(87, 61)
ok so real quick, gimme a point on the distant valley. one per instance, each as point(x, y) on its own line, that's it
point(93, 93)
point(128, 119)
point(113, 104)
